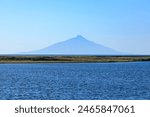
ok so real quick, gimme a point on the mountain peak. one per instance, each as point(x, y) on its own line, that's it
point(77, 46)
point(79, 36)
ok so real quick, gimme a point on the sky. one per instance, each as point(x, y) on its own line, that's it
point(123, 25)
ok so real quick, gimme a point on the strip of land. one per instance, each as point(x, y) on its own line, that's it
point(70, 59)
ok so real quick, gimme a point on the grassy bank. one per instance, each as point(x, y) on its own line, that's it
point(52, 59)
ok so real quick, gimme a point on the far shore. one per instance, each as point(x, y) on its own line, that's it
point(69, 59)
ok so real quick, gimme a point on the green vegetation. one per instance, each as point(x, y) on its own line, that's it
point(55, 59)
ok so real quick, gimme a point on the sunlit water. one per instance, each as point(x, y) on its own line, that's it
point(75, 81)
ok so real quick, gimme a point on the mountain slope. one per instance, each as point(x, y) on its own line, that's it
point(76, 46)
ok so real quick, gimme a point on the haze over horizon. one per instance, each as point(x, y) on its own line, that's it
point(27, 25)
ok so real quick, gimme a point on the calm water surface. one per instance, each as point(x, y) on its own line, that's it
point(75, 81)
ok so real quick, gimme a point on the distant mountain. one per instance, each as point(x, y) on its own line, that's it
point(76, 46)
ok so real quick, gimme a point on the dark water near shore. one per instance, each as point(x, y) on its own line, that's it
point(129, 80)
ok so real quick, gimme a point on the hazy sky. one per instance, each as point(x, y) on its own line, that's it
point(123, 25)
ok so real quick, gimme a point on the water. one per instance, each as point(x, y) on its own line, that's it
point(75, 81)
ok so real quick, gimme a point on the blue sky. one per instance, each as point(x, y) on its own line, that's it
point(27, 25)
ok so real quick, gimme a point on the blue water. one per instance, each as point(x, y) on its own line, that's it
point(75, 81)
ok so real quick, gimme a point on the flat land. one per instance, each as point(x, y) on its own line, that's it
point(70, 59)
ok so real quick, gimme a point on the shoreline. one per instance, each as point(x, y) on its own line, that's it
point(71, 59)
